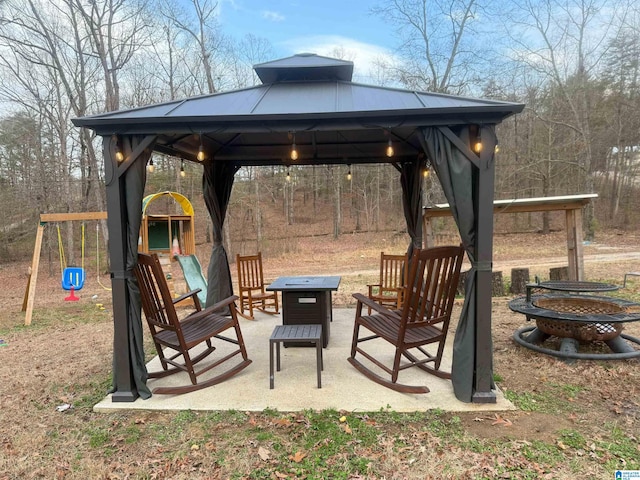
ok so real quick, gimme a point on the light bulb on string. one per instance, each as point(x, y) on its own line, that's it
point(119, 154)
point(294, 149)
point(201, 155)
point(477, 147)
point(349, 173)
point(390, 151)
point(182, 172)
point(151, 167)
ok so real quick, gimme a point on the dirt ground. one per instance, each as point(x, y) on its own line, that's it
point(69, 344)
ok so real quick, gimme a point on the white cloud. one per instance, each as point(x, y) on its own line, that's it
point(363, 55)
point(272, 16)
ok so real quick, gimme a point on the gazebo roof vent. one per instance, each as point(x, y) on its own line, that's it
point(304, 67)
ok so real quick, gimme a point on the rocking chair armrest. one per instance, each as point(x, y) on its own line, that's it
point(222, 303)
point(375, 305)
point(184, 296)
point(371, 286)
point(212, 309)
point(252, 289)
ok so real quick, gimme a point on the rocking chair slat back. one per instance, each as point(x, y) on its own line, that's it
point(431, 297)
point(156, 296)
point(250, 273)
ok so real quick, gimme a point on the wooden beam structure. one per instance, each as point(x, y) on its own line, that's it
point(30, 291)
point(571, 204)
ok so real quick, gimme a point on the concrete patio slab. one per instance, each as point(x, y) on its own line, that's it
point(343, 387)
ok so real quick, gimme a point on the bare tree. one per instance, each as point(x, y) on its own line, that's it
point(434, 37)
point(567, 48)
point(202, 29)
point(117, 29)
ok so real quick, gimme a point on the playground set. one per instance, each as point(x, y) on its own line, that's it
point(171, 236)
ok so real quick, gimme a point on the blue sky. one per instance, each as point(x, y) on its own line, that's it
point(318, 26)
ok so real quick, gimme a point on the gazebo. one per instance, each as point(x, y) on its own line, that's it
point(309, 105)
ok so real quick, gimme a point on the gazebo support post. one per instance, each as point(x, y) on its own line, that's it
point(125, 190)
point(124, 389)
point(483, 392)
point(574, 244)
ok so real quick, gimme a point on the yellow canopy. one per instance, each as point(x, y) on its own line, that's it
point(183, 201)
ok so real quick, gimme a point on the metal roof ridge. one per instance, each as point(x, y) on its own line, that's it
point(178, 102)
point(264, 93)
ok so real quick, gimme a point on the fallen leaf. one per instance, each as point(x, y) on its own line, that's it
point(283, 422)
point(298, 456)
point(347, 429)
point(263, 453)
point(561, 445)
point(501, 421)
point(195, 446)
point(281, 475)
point(343, 419)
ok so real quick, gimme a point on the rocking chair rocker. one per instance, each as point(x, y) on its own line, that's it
point(423, 320)
point(170, 333)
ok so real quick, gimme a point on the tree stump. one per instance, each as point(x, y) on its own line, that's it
point(559, 274)
point(497, 286)
point(519, 280)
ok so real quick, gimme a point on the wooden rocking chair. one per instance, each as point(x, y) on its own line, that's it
point(180, 336)
point(389, 291)
point(251, 287)
point(423, 320)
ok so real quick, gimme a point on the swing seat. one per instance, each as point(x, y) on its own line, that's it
point(73, 278)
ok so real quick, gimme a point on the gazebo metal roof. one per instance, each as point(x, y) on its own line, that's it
point(334, 119)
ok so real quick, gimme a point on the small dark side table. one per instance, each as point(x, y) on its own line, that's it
point(311, 334)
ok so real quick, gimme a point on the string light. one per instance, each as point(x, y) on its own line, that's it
point(151, 167)
point(119, 154)
point(349, 173)
point(390, 148)
point(294, 150)
point(201, 155)
point(425, 172)
point(288, 177)
point(477, 147)
point(182, 172)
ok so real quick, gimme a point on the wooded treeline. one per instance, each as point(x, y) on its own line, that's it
point(574, 63)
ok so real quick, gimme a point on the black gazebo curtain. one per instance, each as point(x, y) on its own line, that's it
point(217, 183)
point(131, 191)
point(411, 182)
point(457, 175)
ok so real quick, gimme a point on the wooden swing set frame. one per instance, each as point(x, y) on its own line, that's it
point(45, 218)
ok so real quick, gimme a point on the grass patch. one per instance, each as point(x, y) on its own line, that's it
point(556, 398)
point(622, 450)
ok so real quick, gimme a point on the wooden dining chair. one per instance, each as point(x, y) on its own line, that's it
point(174, 339)
point(251, 287)
point(389, 290)
point(418, 332)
